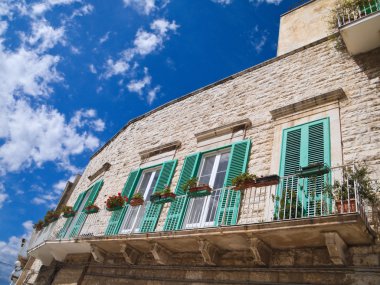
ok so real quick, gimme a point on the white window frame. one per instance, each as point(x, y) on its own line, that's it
point(207, 199)
point(140, 209)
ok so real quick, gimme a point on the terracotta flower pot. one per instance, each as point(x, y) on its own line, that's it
point(136, 202)
point(338, 205)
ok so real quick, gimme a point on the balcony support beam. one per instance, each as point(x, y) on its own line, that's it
point(160, 254)
point(337, 248)
point(97, 253)
point(209, 251)
point(261, 252)
point(129, 253)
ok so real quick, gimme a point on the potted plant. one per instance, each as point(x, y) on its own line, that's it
point(51, 216)
point(68, 211)
point(313, 169)
point(39, 225)
point(166, 196)
point(244, 181)
point(91, 209)
point(137, 200)
point(115, 202)
point(193, 189)
point(356, 178)
point(268, 180)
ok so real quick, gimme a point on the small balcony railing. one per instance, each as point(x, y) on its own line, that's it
point(349, 15)
point(293, 198)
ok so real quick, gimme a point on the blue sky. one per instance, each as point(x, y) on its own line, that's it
point(73, 72)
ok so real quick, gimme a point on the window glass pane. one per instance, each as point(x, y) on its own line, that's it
point(154, 181)
point(196, 210)
point(219, 180)
point(223, 162)
point(204, 179)
point(213, 205)
point(207, 166)
point(144, 182)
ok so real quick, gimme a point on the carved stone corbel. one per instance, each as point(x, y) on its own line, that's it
point(210, 252)
point(161, 254)
point(129, 253)
point(97, 253)
point(337, 248)
point(261, 252)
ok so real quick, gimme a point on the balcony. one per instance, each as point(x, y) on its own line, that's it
point(295, 213)
point(360, 27)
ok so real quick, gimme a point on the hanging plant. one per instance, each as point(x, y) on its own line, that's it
point(52, 216)
point(39, 225)
point(91, 209)
point(68, 211)
point(137, 200)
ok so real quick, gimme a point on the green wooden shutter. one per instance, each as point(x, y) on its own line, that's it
point(62, 232)
point(229, 201)
point(301, 146)
point(82, 216)
point(178, 208)
point(117, 216)
point(153, 211)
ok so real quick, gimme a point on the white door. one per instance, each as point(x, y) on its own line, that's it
point(201, 211)
point(145, 186)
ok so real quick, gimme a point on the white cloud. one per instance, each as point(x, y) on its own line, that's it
point(9, 250)
point(137, 86)
point(116, 68)
point(92, 69)
point(162, 26)
point(44, 36)
point(3, 196)
point(31, 131)
point(104, 38)
point(223, 2)
point(141, 6)
point(84, 10)
point(152, 94)
point(258, 39)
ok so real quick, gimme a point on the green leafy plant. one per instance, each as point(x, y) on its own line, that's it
point(137, 196)
point(51, 216)
point(288, 206)
point(358, 177)
point(192, 182)
point(242, 179)
point(166, 190)
point(39, 225)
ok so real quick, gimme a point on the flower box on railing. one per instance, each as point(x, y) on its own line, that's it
point(166, 198)
point(352, 206)
point(199, 191)
point(69, 214)
point(136, 202)
point(111, 209)
point(91, 209)
point(155, 197)
point(314, 169)
point(267, 181)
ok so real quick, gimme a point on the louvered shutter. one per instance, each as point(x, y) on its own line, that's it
point(82, 216)
point(153, 211)
point(301, 146)
point(229, 201)
point(62, 232)
point(118, 216)
point(178, 208)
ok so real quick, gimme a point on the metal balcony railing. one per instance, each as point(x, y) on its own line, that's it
point(334, 193)
point(349, 15)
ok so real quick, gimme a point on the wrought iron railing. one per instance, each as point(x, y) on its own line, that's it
point(349, 15)
point(333, 193)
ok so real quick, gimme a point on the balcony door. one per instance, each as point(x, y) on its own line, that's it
point(145, 187)
point(201, 211)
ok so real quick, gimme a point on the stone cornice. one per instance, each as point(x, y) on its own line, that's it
point(159, 149)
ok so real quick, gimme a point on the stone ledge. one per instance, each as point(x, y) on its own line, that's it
point(101, 170)
point(309, 103)
point(218, 131)
point(159, 149)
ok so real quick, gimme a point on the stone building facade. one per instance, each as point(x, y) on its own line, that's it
point(251, 114)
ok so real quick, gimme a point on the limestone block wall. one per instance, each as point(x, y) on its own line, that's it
point(304, 25)
point(305, 73)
